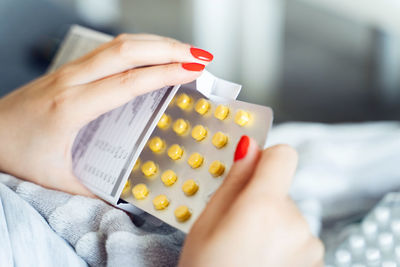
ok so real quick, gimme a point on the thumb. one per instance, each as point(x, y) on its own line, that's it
point(246, 158)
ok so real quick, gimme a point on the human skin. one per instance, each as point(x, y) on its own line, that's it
point(250, 220)
point(40, 120)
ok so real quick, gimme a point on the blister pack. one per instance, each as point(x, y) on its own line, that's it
point(374, 242)
point(189, 154)
point(185, 146)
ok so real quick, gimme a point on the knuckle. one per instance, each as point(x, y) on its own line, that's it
point(173, 47)
point(168, 39)
point(301, 229)
point(317, 248)
point(285, 151)
point(127, 78)
point(171, 44)
point(169, 68)
point(59, 104)
point(124, 47)
point(168, 75)
point(177, 49)
point(122, 37)
point(299, 225)
point(64, 75)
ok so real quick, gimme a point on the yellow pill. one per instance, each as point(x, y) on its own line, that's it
point(149, 168)
point(182, 213)
point(242, 117)
point(202, 106)
point(164, 122)
point(195, 160)
point(156, 144)
point(219, 140)
point(217, 168)
point(175, 152)
point(126, 188)
point(184, 101)
point(199, 132)
point(190, 187)
point(137, 164)
point(140, 191)
point(180, 126)
point(221, 112)
point(160, 202)
point(169, 177)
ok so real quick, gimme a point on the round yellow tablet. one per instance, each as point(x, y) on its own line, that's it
point(217, 168)
point(169, 177)
point(202, 106)
point(184, 101)
point(175, 152)
point(156, 144)
point(190, 187)
point(221, 112)
point(199, 132)
point(242, 117)
point(195, 160)
point(160, 202)
point(182, 213)
point(164, 122)
point(140, 191)
point(137, 164)
point(149, 168)
point(126, 188)
point(219, 140)
point(180, 126)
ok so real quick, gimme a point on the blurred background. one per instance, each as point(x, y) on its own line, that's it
point(311, 60)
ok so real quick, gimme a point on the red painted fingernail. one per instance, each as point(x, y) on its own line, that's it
point(193, 66)
point(242, 147)
point(201, 54)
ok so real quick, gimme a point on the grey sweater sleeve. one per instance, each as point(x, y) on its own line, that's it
point(100, 234)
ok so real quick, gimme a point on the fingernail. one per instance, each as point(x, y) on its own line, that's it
point(201, 54)
point(193, 66)
point(242, 147)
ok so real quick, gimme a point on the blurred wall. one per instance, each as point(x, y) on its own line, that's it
point(245, 36)
point(339, 66)
point(168, 18)
point(305, 58)
point(326, 66)
point(29, 33)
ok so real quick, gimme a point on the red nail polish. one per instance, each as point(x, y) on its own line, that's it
point(201, 54)
point(242, 147)
point(193, 66)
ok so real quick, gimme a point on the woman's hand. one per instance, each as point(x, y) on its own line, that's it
point(39, 121)
point(251, 220)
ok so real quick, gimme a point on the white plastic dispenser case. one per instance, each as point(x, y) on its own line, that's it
point(106, 150)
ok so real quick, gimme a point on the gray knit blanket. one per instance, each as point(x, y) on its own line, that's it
point(96, 232)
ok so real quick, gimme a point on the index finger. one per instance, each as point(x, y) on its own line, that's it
point(274, 172)
point(126, 52)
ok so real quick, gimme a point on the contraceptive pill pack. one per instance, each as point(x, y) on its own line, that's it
point(165, 152)
point(190, 152)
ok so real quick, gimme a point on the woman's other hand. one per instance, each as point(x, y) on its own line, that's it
point(251, 220)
